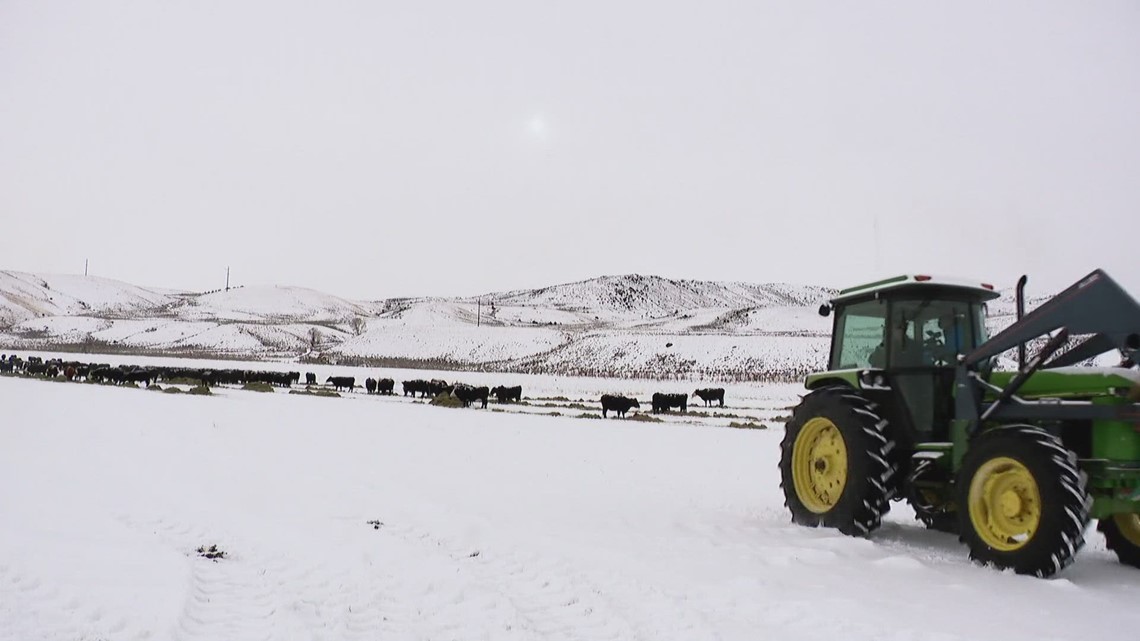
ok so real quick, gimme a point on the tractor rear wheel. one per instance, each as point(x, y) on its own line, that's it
point(1022, 501)
point(1122, 535)
point(834, 465)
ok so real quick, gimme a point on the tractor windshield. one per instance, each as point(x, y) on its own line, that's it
point(930, 333)
point(905, 333)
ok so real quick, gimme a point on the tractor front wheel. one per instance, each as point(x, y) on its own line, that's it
point(1022, 501)
point(834, 462)
point(1122, 535)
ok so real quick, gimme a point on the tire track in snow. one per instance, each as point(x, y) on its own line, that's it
point(266, 596)
point(31, 609)
point(542, 597)
point(228, 601)
point(469, 596)
point(407, 583)
point(227, 598)
point(336, 602)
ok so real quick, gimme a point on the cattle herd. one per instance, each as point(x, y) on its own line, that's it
point(467, 394)
point(661, 402)
point(123, 374)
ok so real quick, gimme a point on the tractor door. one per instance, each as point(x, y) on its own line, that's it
point(923, 339)
point(859, 331)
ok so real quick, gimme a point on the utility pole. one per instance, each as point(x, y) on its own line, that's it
point(85, 260)
point(227, 279)
point(479, 314)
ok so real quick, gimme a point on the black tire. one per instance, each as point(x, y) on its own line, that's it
point(1062, 512)
point(1122, 536)
point(859, 507)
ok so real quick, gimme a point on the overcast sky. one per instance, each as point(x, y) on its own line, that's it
point(374, 149)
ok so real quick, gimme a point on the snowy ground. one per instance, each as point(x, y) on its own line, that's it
point(489, 525)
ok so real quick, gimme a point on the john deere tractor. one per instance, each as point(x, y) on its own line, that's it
point(1017, 462)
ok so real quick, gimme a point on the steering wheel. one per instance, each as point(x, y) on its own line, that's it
point(936, 352)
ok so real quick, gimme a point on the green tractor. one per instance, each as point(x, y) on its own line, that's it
point(1016, 463)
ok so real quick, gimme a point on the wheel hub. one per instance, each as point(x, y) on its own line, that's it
point(1005, 504)
point(1129, 525)
point(819, 465)
point(1010, 504)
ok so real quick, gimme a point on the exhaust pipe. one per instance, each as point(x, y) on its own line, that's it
point(1021, 313)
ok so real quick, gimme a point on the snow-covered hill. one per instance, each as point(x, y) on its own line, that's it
point(612, 325)
point(271, 304)
point(634, 296)
point(25, 296)
point(631, 325)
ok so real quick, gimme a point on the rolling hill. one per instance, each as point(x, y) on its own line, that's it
point(628, 325)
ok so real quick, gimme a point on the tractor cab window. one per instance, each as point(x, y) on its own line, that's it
point(930, 333)
point(859, 332)
point(980, 313)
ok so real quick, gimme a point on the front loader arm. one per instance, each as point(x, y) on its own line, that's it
point(1089, 348)
point(1094, 305)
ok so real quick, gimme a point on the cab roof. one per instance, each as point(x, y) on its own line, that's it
point(973, 288)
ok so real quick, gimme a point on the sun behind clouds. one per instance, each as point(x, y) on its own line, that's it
point(538, 128)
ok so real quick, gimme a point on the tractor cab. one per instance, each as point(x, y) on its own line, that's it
point(903, 336)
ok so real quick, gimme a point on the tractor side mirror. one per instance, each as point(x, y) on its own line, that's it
point(825, 309)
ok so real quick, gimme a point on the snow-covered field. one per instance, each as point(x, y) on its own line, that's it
point(385, 518)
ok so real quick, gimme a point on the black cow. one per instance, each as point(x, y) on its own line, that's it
point(104, 374)
point(281, 379)
point(370, 385)
point(310, 378)
point(506, 394)
point(710, 394)
point(139, 375)
point(385, 386)
point(665, 402)
point(418, 386)
point(467, 394)
point(618, 404)
point(435, 387)
point(348, 382)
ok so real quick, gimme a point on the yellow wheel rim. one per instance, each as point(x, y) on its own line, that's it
point(1005, 504)
point(1129, 526)
point(819, 465)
